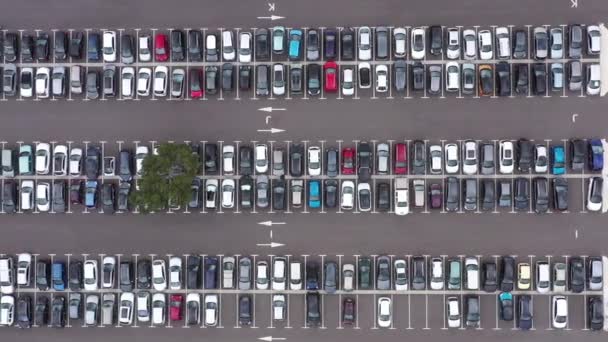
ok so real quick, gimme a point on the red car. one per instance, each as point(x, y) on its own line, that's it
point(175, 307)
point(348, 161)
point(196, 86)
point(331, 76)
point(400, 159)
point(435, 196)
point(161, 47)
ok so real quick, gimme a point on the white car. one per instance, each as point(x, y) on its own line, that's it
point(228, 270)
point(228, 46)
point(453, 49)
point(364, 193)
point(211, 310)
point(261, 279)
point(178, 78)
point(593, 79)
point(141, 152)
point(469, 164)
point(471, 272)
point(314, 161)
point(347, 195)
point(452, 77)
point(435, 155)
point(278, 79)
point(89, 275)
point(385, 312)
point(125, 308)
point(159, 278)
point(437, 276)
point(109, 46)
point(348, 277)
point(91, 309)
point(543, 277)
point(402, 202)
point(503, 43)
point(7, 310)
point(559, 277)
point(25, 89)
point(381, 78)
point(507, 155)
point(109, 267)
point(60, 160)
point(400, 37)
point(161, 73)
point(364, 44)
point(245, 47)
point(144, 49)
point(127, 82)
point(42, 83)
point(144, 79)
point(175, 273)
point(383, 156)
point(453, 312)
point(279, 307)
point(485, 44)
point(279, 273)
point(418, 44)
point(541, 159)
point(43, 158)
point(75, 161)
point(559, 312)
point(451, 159)
point(26, 198)
point(143, 306)
point(7, 278)
point(43, 196)
point(211, 186)
point(594, 194)
point(228, 159)
point(593, 39)
point(469, 43)
point(193, 300)
point(159, 303)
point(24, 262)
point(228, 193)
point(261, 158)
point(348, 82)
point(401, 278)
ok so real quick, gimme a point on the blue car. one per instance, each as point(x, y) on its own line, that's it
point(58, 277)
point(559, 161)
point(90, 194)
point(314, 194)
point(295, 42)
point(211, 272)
point(596, 155)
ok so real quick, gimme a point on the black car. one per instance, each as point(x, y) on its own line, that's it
point(177, 46)
point(577, 275)
point(193, 272)
point(575, 41)
point(125, 276)
point(211, 159)
point(524, 312)
point(347, 44)
point(489, 276)
point(211, 80)
point(9, 197)
point(42, 47)
point(245, 160)
point(60, 46)
point(331, 193)
point(452, 194)
point(418, 273)
point(127, 48)
point(42, 275)
point(540, 79)
point(262, 45)
point(418, 158)
point(144, 277)
point(503, 79)
point(435, 40)
point(313, 312)
point(245, 311)
point(278, 194)
point(486, 81)
point(313, 79)
point(330, 280)
point(520, 44)
point(382, 43)
point(330, 44)
point(578, 154)
point(364, 161)
point(541, 195)
point(525, 155)
point(92, 91)
point(195, 46)
point(27, 48)
point(521, 196)
point(364, 273)
point(560, 194)
point(91, 163)
point(23, 311)
point(296, 160)
point(246, 192)
point(383, 196)
point(472, 311)
point(10, 48)
point(244, 77)
point(58, 312)
point(332, 162)
point(296, 77)
point(76, 43)
point(312, 276)
point(227, 77)
point(596, 313)
point(75, 275)
point(348, 311)
point(41, 311)
point(400, 75)
point(488, 197)
point(521, 79)
point(107, 198)
point(59, 197)
point(469, 193)
point(211, 272)
point(122, 201)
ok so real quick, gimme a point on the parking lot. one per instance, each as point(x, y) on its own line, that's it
point(373, 116)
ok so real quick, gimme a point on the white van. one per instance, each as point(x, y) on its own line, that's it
point(279, 265)
point(295, 275)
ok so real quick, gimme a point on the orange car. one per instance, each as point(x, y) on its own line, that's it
point(486, 80)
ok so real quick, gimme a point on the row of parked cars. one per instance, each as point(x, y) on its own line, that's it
point(363, 43)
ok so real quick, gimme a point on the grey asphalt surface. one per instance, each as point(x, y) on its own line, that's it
point(487, 234)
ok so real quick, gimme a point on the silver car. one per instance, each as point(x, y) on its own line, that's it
point(262, 191)
point(383, 154)
point(245, 273)
point(107, 308)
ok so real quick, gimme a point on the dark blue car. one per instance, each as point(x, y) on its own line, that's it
point(58, 276)
point(596, 155)
point(211, 272)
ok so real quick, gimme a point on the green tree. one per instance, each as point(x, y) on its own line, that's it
point(166, 177)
